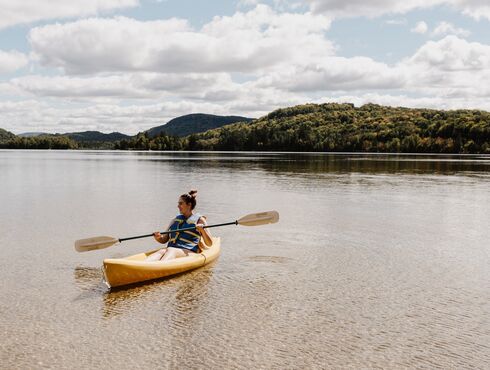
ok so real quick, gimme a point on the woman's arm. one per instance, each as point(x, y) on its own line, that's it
point(162, 238)
point(205, 234)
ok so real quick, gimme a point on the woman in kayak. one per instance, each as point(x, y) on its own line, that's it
point(181, 244)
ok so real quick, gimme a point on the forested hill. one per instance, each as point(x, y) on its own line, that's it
point(310, 127)
point(194, 123)
point(87, 136)
point(343, 127)
point(72, 140)
point(6, 135)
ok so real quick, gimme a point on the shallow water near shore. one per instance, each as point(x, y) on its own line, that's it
point(378, 261)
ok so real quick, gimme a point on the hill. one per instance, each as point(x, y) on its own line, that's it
point(6, 135)
point(32, 134)
point(343, 127)
point(84, 136)
point(71, 140)
point(87, 136)
point(194, 123)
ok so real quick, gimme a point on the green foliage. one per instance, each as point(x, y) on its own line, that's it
point(39, 142)
point(5, 135)
point(342, 127)
point(75, 140)
point(142, 141)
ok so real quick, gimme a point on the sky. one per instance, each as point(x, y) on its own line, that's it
point(129, 65)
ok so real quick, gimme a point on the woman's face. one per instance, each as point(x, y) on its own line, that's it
point(184, 207)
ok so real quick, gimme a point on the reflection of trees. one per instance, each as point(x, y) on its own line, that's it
point(304, 163)
point(349, 163)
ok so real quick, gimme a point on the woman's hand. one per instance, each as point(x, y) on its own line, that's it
point(157, 236)
point(206, 236)
point(200, 228)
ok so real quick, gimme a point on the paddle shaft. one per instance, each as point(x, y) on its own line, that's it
point(176, 231)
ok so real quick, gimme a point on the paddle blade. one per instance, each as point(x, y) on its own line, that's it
point(99, 242)
point(262, 218)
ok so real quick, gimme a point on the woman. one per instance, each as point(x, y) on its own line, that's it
point(183, 243)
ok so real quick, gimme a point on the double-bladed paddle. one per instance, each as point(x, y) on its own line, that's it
point(101, 242)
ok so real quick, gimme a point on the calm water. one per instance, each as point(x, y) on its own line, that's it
point(377, 262)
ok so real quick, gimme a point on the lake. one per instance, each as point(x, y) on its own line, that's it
point(377, 261)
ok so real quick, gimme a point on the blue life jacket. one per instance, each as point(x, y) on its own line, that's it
point(184, 239)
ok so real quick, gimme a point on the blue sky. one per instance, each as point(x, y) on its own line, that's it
point(128, 65)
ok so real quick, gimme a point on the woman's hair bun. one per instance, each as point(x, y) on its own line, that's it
point(190, 198)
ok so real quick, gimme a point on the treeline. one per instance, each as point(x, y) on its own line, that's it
point(345, 128)
point(143, 141)
point(5, 135)
point(339, 128)
point(325, 127)
point(39, 142)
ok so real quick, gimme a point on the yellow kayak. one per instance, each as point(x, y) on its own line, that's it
point(134, 269)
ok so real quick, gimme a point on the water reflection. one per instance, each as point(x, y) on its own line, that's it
point(300, 163)
point(89, 281)
point(190, 291)
point(283, 162)
point(118, 301)
point(372, 165)
point(86, 276)
point(190, 304)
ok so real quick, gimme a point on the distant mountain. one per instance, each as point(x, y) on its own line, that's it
point(86, 136)
point(194, 123)
point(32, 134)
point(6, 135)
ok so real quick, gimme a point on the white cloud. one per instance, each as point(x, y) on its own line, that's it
point(445, 28)
point(474, 8)
point(375, 8)
point(453, 69)
point(244, 42)
point(335, 73)
point(452, 54)
point(420, 27)
point(246, 3)
point(150, 86)
point(27, 11)
point(442, 29)
point(66, 87)
point(11, 61)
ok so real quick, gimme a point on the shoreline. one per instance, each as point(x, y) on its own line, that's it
point(243, 151)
